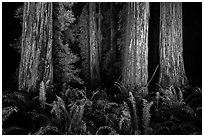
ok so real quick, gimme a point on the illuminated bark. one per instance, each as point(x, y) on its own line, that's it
point(135, 71)
point(94, 46)
point(171, 45)
point(36, 55)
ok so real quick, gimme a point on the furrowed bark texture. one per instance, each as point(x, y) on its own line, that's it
point(112, 27)
point(99, 34)
point(135, 67)
point(36, 56)
point(84, 43)
point(171, 45)
point(94, 46)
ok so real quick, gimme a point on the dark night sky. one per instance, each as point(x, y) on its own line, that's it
point(192, 39)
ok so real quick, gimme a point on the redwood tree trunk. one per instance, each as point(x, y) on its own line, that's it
point(112, 27)
point(171, 45)
point(94, 47)
point(135, 71)
point(36, 55)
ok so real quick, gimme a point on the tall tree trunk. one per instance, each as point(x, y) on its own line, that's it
point(36, 55)
point(99, 38)
point(94, 47)
point(112, 25)
point(171, 45)
point(84, 43)
point(135, 71)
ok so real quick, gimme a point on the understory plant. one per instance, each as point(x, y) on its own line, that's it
point(72, 111)
point(173, 114)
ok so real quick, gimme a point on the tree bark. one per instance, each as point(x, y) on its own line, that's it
point(99, 17)
point(171, 45)
point(135, 71)
point(36, 55)
point(112, 25)
point(84, 43)
point(94, 47)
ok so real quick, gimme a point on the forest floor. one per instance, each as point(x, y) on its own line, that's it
point(169, 111)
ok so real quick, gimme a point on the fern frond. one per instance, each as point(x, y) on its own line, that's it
point(15, 98)
point(186, 112)
point(77, 113)
point(125, 120)
point(133, 109)
point(82, 93)
point(163, 130)
point(95, 93)
point(59, 109)
point(12, 130)
point(8, 102)
point(195, 97)
point(42, 95)
point(77, 110)
point(106, 130)
point(48, 130)
point(180, 95)
point(7, 112)
point(188, 127)
point(122, 88)
point(146, 115)
point(35, 116)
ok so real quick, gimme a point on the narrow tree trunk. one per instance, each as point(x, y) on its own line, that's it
point(99, 38)
point(135, 71)
point(112, 32)
point(36, 54)
point(171, 45)
point(112, 27)
point(94, 47)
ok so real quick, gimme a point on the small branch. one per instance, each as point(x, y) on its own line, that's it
point(153, 75)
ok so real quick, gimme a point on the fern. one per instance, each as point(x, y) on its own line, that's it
point(180, 95)
point(48, 130)
point(38, 120)
point(77, 112)
point(125, 120)
point(134, 117)
point(122, 88)
point(62, 117)
point(98, 94)
point(163, 130)
point(146, 115)
point(188, 128)
point(185, 112)
point(42, 95)
point(15, 98)
point(8, 98)
point(59, 109)
point(195, 95)
point(7, 112)
point(106, 130)
point(172, 127)
point(12, 130)
point(171, 97)
point(130, 99)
